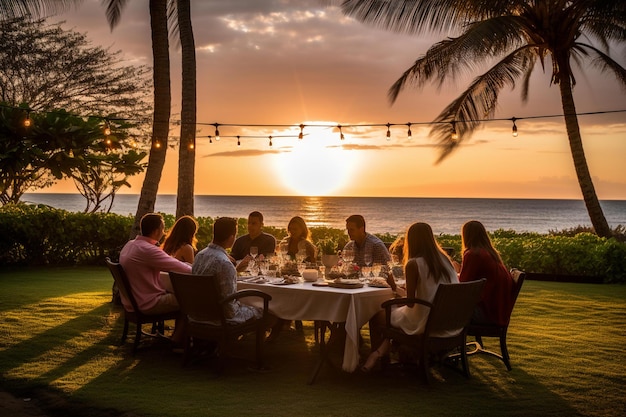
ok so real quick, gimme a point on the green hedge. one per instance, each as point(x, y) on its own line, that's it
point(40, 235)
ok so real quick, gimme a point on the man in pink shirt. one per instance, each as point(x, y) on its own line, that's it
point(143, 262)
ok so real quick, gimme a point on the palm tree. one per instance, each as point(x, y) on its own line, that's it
point(517, 34)
point(10, 9)
point(162, 101)
point(187, 149)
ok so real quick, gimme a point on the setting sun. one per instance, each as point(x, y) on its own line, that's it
point(316, 165)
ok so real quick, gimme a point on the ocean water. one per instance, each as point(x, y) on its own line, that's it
point(392, 215)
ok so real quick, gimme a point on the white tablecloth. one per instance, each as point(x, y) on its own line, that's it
point(307, 302)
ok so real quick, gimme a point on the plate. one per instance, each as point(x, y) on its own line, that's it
point(345, 285)
point(283, 282)
point(320, 284)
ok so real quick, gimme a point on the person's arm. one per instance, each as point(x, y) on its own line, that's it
point(164, 262)
point(411, 272)
point(470, 267)
point(186, 254)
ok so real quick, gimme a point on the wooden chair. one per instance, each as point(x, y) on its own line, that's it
point(136, 316)
point(493, 330)
point(199, 300)
point(450, 310)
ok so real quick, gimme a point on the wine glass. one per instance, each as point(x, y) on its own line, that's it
point(376, 269)
point(254, 251)
point(263, 267)
point(301, 267)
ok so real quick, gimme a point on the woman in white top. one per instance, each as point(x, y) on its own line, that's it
point(425, 266)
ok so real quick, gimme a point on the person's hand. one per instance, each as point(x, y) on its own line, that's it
point(243, 264)
point(400, 292)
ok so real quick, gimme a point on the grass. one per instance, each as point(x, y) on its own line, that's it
point(59, 334)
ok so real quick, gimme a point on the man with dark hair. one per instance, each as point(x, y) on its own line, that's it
point(143, 262)
point(364, 242)
point(213, 260)
point(265, 242)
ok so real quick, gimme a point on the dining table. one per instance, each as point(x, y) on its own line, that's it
point(317, 301)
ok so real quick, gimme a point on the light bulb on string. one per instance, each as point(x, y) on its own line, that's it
point(210, 140)
point(107, 128)
point(409, 134)
point(270, 141)
point(217, 131)
point(301, 134)
point(27, 121)
point(454, 135)
point(238, 141)
point(191, 145)
point(388, 131)
point(514, 127)
point(157, 144)
point(341, 136)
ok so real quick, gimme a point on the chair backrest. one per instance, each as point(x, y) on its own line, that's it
point(453, 306)
point(518, 279)
point(120, 278)
point(198, 296)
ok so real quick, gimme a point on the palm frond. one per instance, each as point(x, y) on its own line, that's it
point(447, 59)
point(480, 100)
point(419, 16)
point(36, 8)
point(604, 62)
point(114, 10)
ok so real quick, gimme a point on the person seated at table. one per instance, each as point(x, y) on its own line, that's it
point(265, 242)
point(143, 262)
point(363, 243)
point(180, 242)
point(299, 239)
point(426, 265)
point(213, 260)
point(482, 260)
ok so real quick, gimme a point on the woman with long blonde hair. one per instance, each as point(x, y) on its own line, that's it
point(426, 265)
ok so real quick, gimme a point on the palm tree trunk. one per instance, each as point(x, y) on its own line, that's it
point(594, 209)
point(187, 151)
point(162, 109)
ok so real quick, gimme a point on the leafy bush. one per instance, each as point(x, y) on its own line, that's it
point(40, 235)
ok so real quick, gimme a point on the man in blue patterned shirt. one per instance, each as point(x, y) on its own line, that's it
point(213, 260)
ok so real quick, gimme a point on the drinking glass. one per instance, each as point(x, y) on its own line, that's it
point(263, 267)
point(301, 267)
point(376, 269)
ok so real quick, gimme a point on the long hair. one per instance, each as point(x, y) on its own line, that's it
point(182, 233)
point(420, 242)
point(305, 233)
point(474, 236)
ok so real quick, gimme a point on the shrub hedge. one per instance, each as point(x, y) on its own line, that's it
point(41, 235)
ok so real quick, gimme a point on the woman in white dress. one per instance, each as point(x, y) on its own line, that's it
point(426, 265)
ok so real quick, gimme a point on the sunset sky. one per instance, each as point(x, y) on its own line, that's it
point(287, 62)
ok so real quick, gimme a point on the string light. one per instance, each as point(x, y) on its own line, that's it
point(191, 145)
point(454, 135)
point(238, 141)
point(217, 132)
point(107, 128)
point(27, 121)
point(270, 141)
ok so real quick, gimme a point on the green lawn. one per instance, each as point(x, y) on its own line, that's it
point(58, 331)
